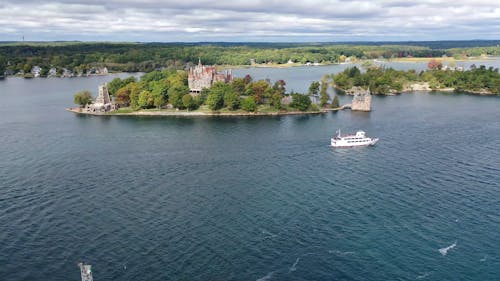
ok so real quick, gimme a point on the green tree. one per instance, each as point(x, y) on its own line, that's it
point(323, 93)
point(335, 102)
point(27, 68)
point(202, 97)
point(300, 102)
point(135, 91)
point(188, 102)
point(114, 85)
point(215, 100)
point(3, 65)
point(44, 72)
point(314, 88)
point(238, 85)
point(249, 104)
point(276, 101)
point(158, 101)
point(83, 98)
point(146, 99)
point(225, 92)
point(231, 100)
point(175, 94)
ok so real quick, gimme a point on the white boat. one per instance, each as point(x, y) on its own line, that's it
point(359, 139)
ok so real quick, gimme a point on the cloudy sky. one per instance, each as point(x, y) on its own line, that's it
point(249, 20)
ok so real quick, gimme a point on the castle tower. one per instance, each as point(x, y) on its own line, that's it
point(362, 101)
point(103, 97)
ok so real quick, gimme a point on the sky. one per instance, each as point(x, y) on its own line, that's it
point(248, 20)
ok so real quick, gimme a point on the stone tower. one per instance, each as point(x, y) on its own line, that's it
point(103, 97)
point(362, 101)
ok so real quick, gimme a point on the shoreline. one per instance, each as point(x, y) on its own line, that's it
point(179, 113)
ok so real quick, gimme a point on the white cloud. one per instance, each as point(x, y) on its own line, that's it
point(259, 20)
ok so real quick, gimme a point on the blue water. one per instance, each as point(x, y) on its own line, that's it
point(248, 198)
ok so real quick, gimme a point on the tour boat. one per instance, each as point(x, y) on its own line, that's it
point(359, 139)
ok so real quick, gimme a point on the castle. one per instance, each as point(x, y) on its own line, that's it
point(203, 76)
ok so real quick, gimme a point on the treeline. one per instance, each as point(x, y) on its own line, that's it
point(387, 80)
point(146, 57)
point(168, 89)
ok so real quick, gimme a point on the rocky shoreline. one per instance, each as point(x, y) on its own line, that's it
point(200, 113)
point(418, 87)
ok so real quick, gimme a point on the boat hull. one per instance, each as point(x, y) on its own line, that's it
point(336, 144)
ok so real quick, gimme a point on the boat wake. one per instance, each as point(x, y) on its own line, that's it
point(483, 259)
point(267, 277)
point(294, 266)
point(340, 253)
point(445, 250)
point(268, 234)
point(423, 275)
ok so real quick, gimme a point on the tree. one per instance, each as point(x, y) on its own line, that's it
point(238, 85)
point(44, 71)
point(27, 68)
point(146, 99)
point(314, 88)
point(335, 102)
point(83, 98)
point(215, 101)
point(258, 89)
point(434, 64)
point(323, 93)
point(248, 79)
point(276, 101)
point(114, 85)
point(231, 100)
point(135, 90)
point(249, 104)
point(122, 96)
point(300, 102)
point(188, 101)
point(353, 72)
point(158, 101)
point(279, 87)
point(175, 94)
point(3, 65)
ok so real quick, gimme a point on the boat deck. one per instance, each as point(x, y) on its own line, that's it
point(86, 272)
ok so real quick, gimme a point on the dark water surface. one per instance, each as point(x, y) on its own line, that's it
point(248, 198)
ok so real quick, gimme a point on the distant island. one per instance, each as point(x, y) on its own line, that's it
point(76, 59)
point(387, 81)
point(202, 90)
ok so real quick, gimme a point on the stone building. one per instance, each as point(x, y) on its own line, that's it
point(362, 101)
point(204, 76)
point(103, 102)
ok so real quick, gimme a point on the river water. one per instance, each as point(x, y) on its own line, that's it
point(148, 198)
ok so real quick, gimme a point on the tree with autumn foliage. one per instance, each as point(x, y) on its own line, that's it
point(434, 64)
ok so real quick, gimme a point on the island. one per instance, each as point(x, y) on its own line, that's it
point(202, 90)
point(387, 81)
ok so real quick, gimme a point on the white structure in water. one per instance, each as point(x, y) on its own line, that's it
point(86, 272)
point(362, 101)
point(103, 102)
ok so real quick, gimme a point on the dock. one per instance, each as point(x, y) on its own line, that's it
point(86, 272)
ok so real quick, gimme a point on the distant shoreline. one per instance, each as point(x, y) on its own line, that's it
point(290, 65)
